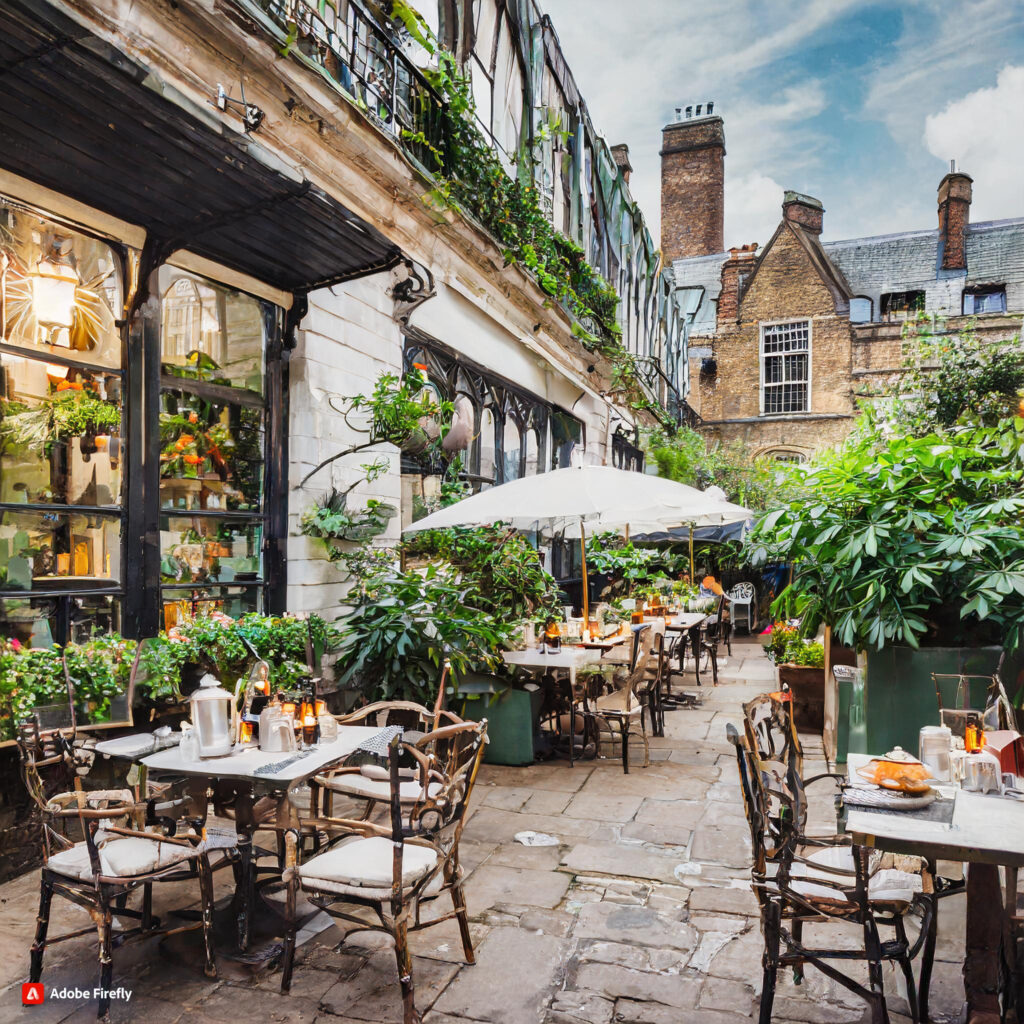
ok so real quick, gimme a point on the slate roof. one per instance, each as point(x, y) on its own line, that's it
point(907, 261)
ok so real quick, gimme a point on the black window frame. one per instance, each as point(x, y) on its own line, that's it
point(140, 589)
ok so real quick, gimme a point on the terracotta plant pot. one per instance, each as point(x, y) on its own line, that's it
point(807, 686)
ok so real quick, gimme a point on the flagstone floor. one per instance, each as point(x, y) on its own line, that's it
point(642, 913)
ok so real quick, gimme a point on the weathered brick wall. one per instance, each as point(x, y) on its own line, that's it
point(786, 287)
point(954, 214)
point(692, 189)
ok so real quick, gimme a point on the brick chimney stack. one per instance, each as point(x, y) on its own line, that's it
point(735, 270)
point(693, 184)
point(954, 216)
point(803, 210)
point(621, 155)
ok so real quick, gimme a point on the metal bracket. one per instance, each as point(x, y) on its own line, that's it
point(411, 291)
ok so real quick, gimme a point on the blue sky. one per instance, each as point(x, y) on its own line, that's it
point(860, 104)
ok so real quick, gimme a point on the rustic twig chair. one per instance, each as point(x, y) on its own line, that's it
point(626, 704)
point(112, 860)
point(798, 878)
point(394, 868)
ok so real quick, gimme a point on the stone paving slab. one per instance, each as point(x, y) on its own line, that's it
point(642, 914)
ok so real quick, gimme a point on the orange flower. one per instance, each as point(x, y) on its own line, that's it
point(193, 418)
point(69, 385)
point(184, 441)
point(193, 460)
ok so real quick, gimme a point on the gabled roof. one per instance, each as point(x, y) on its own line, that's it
point(830, 275)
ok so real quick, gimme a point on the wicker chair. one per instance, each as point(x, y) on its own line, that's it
point(798, 878)
point(394, 868)
point(112, 860)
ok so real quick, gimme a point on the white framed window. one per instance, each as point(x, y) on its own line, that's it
point(785, 367)
point(984, 300)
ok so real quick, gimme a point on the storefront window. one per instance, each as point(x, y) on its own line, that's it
point(212, 441)
point(61, 440)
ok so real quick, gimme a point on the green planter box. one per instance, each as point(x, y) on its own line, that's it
point(899, 695)
point(512, 717)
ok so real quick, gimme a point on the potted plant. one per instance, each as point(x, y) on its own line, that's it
point(801, 667)
point(912, 549)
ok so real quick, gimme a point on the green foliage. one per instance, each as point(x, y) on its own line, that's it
point(331, 521)
point(67, 413)
point(907, 539)
point(950, 377)
point(757, 484)
point(471, 176)
point(99, 669)
point(397, 407)
point(227, 648)
point(502, 574)
point(393, 645)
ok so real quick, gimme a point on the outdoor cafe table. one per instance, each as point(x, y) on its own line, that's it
point(985, 831)
point(238, 779)
point(689, 625)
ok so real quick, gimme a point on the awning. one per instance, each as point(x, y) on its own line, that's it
point(80, 117)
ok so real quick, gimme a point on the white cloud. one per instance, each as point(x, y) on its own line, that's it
point(982, 132)
point(753, 208)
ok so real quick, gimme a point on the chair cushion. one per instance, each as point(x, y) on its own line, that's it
point(121, 857)
point(366, 863)
point(887, 885)
point(616, 703)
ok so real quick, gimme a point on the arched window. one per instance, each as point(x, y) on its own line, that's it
point(511, 451)
point(532, 453)
point(486, 442)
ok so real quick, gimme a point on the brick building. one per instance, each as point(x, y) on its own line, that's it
point(784, 337)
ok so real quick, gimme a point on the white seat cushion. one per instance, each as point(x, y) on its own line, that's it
point(367, 864)
point(369, 788)
point(120, 857)
point(887, 885)
point(616, 703)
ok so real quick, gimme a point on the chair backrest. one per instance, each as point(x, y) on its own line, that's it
point(716, 629)
point(742, 592)
point(46, 763)
point(770, 730)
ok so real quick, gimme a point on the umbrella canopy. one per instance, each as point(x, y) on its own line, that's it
point(588, 497)
point(598, 497)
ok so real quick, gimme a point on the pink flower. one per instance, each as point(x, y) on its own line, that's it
point(15, 644)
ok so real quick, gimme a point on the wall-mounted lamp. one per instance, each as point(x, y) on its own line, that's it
point(53, 299)
point(252, 116)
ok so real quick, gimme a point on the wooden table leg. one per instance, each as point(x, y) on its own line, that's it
point(984, 942)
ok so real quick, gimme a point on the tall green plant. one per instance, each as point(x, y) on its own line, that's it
point(908, 539)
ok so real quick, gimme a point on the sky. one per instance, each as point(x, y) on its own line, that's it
point(859, 104)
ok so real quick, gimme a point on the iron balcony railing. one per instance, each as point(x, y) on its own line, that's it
point(364, 58)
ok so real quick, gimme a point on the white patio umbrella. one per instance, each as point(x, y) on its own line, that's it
point(588, 497)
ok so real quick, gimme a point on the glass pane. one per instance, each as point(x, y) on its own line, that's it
point(36, 621)
point(532, 452)
point(49, 550)
point(487, 444)
point(510, 448)
point(209, 332)
point(61, 290)
point(211, 453)
point(202, 549)
point(59, 434)
point(185, 604)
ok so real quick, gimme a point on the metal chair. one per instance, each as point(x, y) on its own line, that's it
point(743, 596)
point(394, 868)
point(798, 878)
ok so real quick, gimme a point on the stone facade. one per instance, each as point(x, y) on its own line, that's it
point(785, 287)
point(692, 188)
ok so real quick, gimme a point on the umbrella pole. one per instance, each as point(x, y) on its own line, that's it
point(586, 585)
point(691, 554)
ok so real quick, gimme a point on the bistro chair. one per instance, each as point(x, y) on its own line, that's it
point(717, 631)
point(395, 867)
point(370, 782)
point(742, 596)
point(125, 846)
point(798, 878)
point(629, 701)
